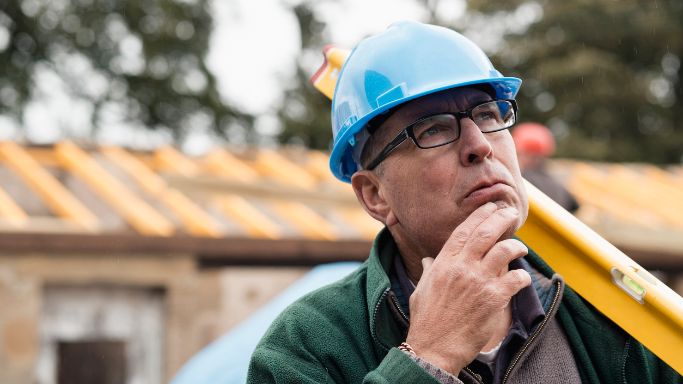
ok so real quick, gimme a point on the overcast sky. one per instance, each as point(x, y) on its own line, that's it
point(256, 42)
point(252, 53)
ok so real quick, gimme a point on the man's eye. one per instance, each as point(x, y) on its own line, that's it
point(486, 115)
point(430, 131)
point(433, 130)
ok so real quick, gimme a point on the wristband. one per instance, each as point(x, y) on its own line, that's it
point(405, 347)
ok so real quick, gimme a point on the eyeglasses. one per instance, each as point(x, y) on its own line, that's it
point(444, 128)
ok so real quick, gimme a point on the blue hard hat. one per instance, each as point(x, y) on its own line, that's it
point(406, 61)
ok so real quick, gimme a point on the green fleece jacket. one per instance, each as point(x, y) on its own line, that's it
point(348, 331)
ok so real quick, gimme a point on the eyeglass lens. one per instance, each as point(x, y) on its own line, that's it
point(444, 128)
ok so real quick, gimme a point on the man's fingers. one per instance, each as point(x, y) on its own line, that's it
point(502, 253)
point(463, 232)
point(513, 281)
point(426, 264)
point(489, 232)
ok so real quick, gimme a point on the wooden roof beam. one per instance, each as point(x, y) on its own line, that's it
point(278, 167)
point(346, 205)
point(620, 187)
point(222, 162)
point(263, 190)
point(168, 158)
point(293, 175)
point(317, 163)
point(140, 215)
point(253, 221)
point(657, 196)
point(11, 212)
point(302, 217)
point(193, 217)
point(57, 197)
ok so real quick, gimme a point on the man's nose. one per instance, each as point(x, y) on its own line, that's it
point(474, 146)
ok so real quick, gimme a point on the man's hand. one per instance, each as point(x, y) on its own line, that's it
point(460, 300)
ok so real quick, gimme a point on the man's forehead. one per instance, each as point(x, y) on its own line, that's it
point(457, 99)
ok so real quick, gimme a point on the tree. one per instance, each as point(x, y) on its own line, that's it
point(604, 75)
point(305, 112)
point(144, 60)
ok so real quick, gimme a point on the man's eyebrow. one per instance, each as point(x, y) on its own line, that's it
point(425, 111)
point(478, 99)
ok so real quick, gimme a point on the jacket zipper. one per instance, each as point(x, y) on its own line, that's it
point(374, 319)
point(475, 376)
point(538, 331)
point(398, 307)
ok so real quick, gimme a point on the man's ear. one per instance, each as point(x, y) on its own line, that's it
point(370, 194)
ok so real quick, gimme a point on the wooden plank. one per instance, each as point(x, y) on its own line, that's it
point(614, 195)
point(222, 162)
point(345, 205)
point(293, 175)
point(210, 184)
point(317, 164)
point(168, 158)
point(654, 195)
point(57, 197)
point(193, 217)
point(666, 182)
point(11, 212)
point(140, 215)
point(303, 218)
point(43, 224)
point(278, 167)
point(216, 251)
point(248, 217)
point(45, 156)
point(246, 214)
point(306, 219)
point(366, 226)
point(592, 194)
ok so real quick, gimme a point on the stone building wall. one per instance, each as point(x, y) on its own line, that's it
point(198, 304)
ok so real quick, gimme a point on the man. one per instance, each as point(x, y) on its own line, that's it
point(535, 144)
point(420, 120)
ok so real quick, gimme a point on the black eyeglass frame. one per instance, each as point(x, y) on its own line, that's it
point(408, 131)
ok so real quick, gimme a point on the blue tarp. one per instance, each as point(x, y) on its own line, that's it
point(225, 361)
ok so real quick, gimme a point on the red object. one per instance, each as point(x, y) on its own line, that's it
point(533, 138)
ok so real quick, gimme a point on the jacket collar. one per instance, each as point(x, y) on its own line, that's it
point(386, 327)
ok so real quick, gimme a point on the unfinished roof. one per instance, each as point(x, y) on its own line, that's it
point(274, 194)
point(260, 194)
